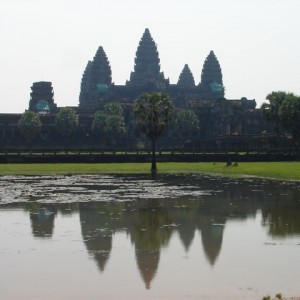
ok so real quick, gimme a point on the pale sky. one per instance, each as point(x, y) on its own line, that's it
point(257, 43)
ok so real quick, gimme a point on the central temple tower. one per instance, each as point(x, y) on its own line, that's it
point(147, 66)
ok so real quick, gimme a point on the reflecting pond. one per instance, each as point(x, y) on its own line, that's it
point(131, 237)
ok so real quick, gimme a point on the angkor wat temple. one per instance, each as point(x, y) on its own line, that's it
point(218, 116)
point(147, 77)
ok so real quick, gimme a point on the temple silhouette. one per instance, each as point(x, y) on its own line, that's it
point(217, 115)
point(97, 85)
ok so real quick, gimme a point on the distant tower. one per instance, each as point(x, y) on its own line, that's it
point(186, 78)
point(85, 85)
point(41, 98)
point(95, 80)
point(101, 71)
point(211, 78)
point(147, 65)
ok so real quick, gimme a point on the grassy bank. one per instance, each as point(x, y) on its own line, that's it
point(278, 170)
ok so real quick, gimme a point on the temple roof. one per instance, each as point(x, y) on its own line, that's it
point(85, 84)
point(95, 80)
point(186, 78)
point(101, 71)
point(147, 63)
point(211, 77)
point(211, 71)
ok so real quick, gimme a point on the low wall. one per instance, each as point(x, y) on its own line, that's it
point(144, 157)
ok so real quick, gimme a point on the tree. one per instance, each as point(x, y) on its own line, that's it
point(271, 110)
point(30, 125)
point(66, 121)
point(113, 109)
point(153, 112)
point(186, 123)
point(114, 128)
point(109, 123)
point(98, 123)
point(289, 114)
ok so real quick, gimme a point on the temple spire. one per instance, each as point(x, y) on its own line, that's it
point(95, 79)
point(85, 84)
point(186, 78)
point(147, 64)
point(101, 71)
point(211, 77)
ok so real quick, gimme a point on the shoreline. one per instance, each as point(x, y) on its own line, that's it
point(284, 171)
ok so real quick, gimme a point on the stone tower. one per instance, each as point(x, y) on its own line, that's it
point(41, 98)
point(186, 78)
point(85, 85)
point(146, 72)
point(95, 81)
point(101, 71)
point(211, 78)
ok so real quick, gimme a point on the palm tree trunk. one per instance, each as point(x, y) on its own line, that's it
point(153, 164)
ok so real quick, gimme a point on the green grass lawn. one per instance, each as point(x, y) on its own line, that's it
point(278, 170)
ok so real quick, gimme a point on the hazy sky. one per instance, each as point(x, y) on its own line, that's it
point(257, 43)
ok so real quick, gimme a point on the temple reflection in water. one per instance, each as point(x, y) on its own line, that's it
point(151, 223)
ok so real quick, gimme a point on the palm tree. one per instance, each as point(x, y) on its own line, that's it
point(153, 112)
point(271, 110)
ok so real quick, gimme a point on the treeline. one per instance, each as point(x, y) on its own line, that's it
point(114, 126)
point(283, 111)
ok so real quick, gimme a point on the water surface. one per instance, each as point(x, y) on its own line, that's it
point(130, 237)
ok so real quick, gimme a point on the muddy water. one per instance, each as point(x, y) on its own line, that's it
point(130, 237)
